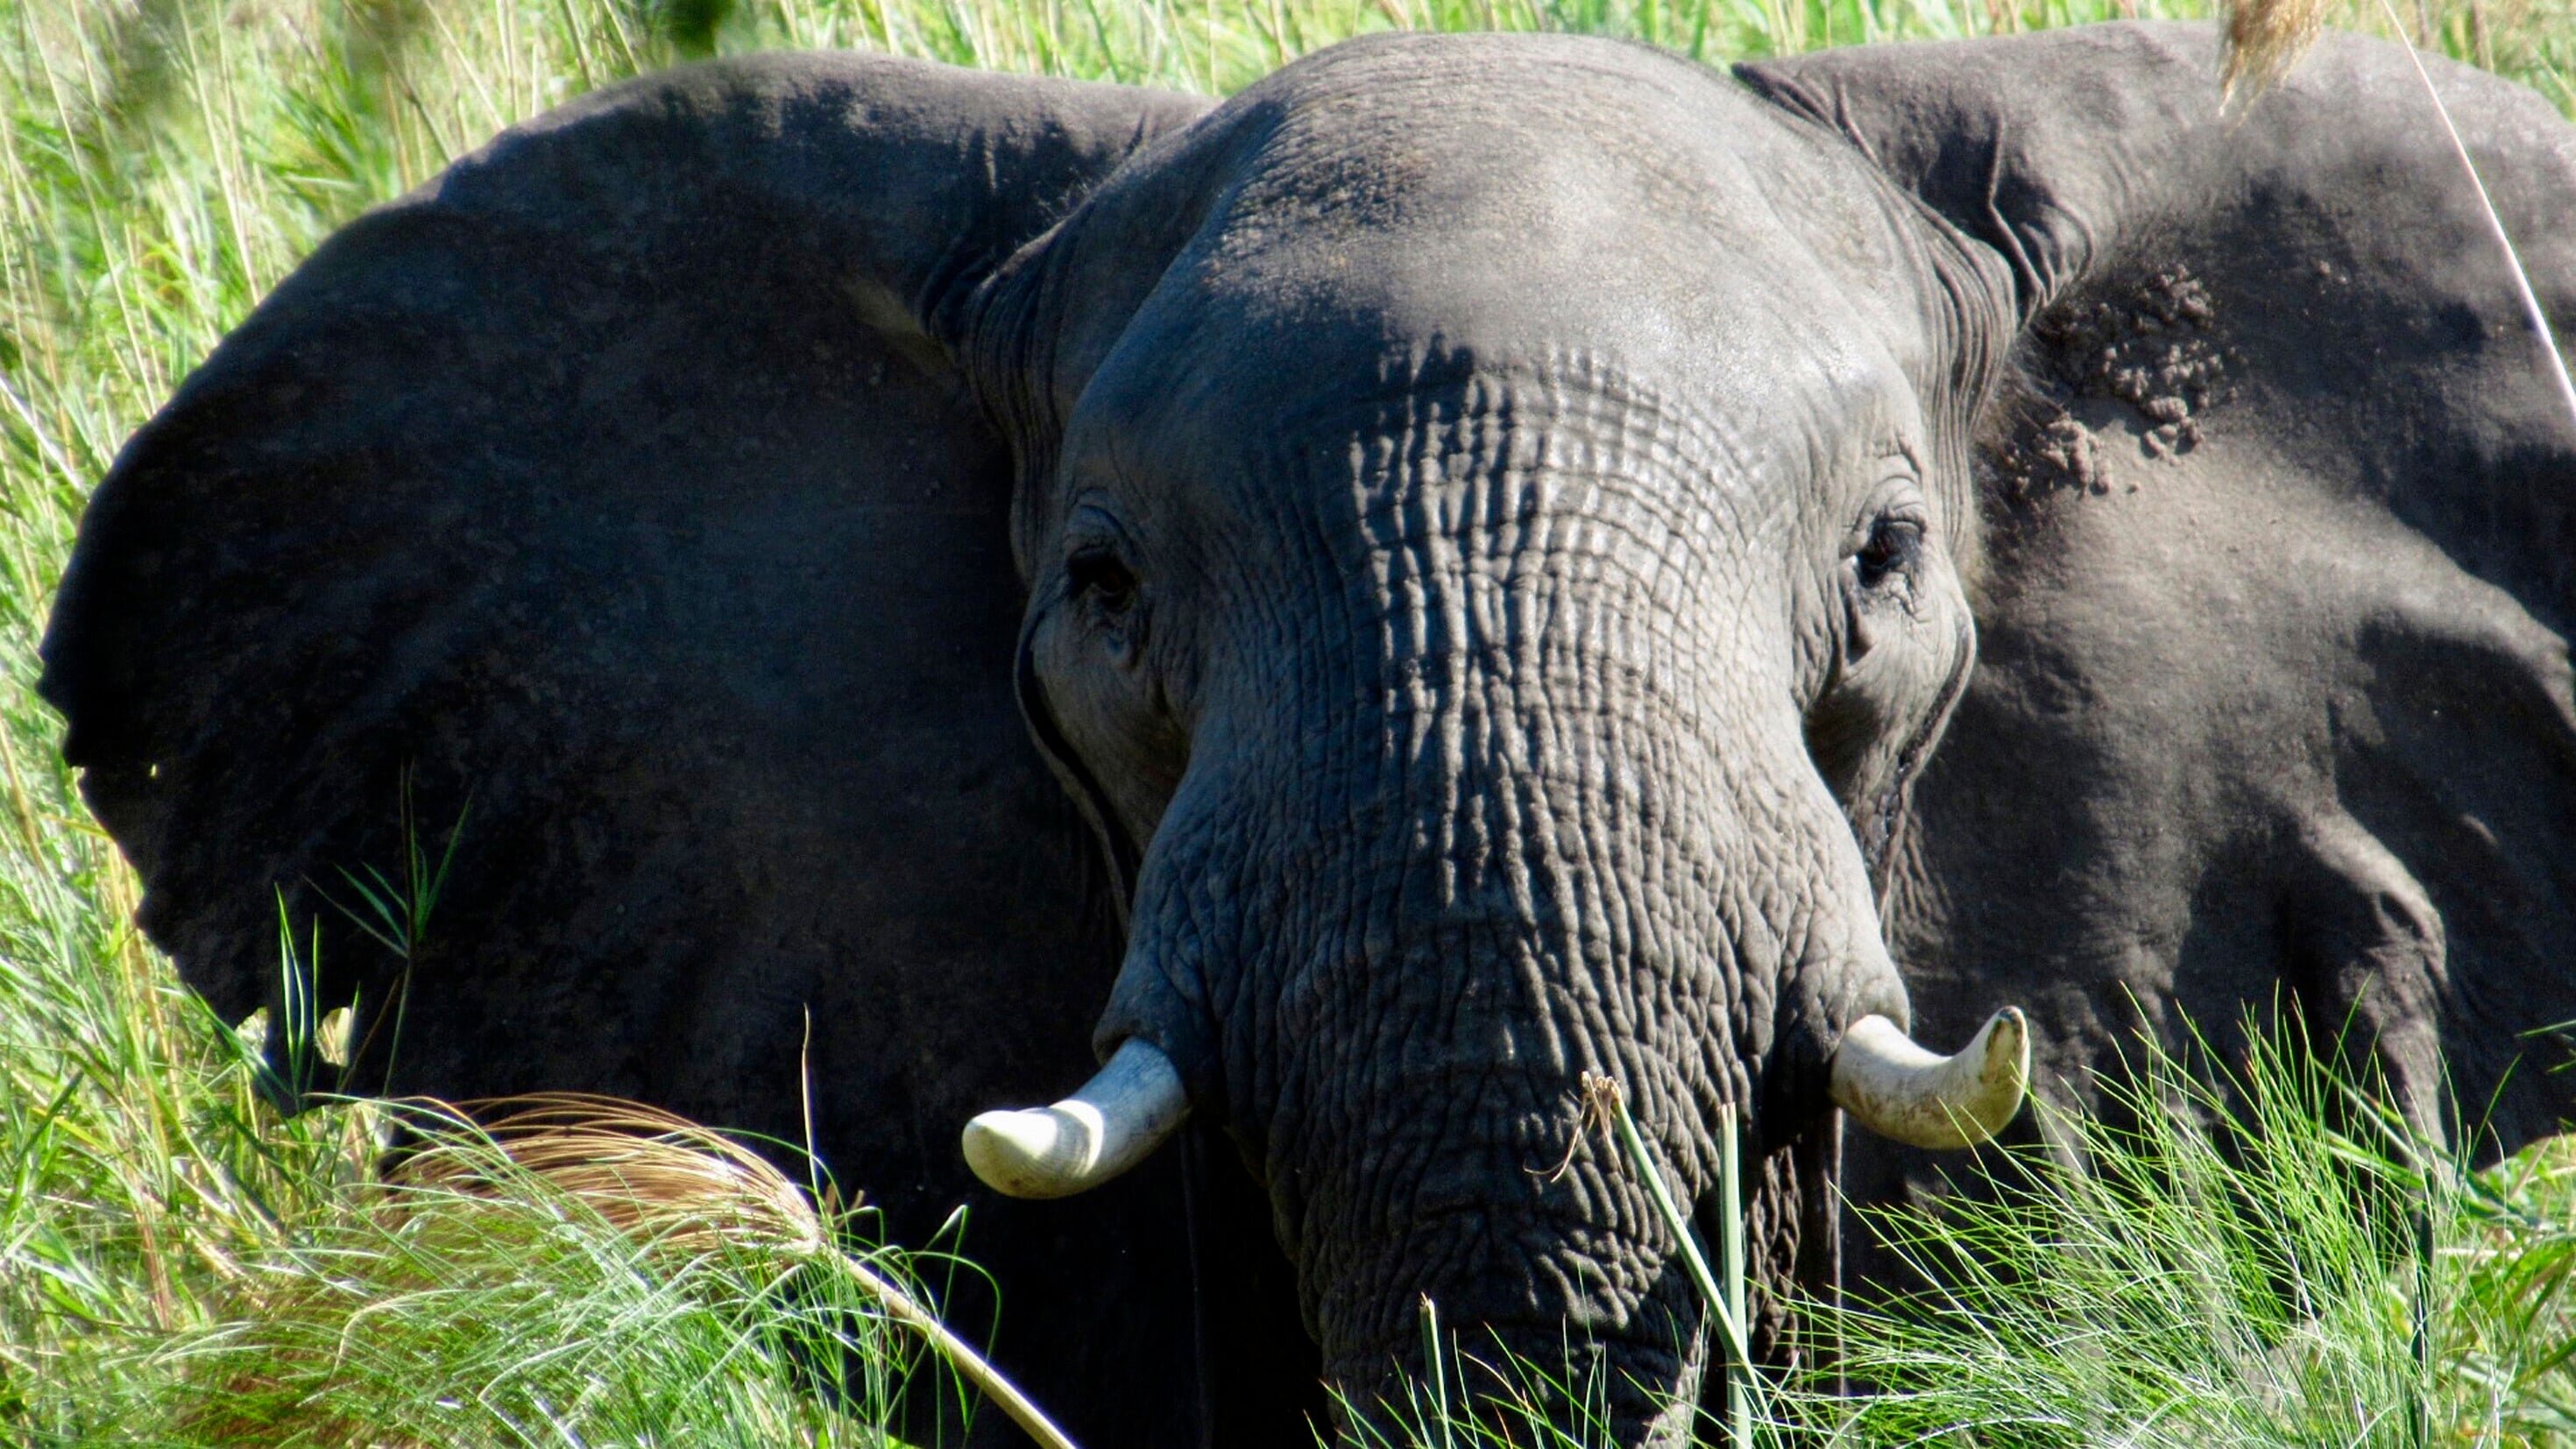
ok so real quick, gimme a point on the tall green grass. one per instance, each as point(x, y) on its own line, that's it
point(164, 1232)
point(2222, 1257)
point(678, 1295)
point(2258, 1254)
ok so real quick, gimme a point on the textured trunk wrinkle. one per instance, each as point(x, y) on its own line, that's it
point(1523, 794)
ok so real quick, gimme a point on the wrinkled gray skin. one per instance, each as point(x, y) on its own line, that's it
point(2273, 705)
point(1447, 646)
point(1493, 528)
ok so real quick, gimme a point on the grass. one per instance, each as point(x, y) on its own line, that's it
point(679, 1290)
point(2251, 1256)
point(179, 1264)
point(2329, 1277)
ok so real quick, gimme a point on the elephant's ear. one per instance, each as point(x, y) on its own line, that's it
point(2281, 513)
point(610, 507)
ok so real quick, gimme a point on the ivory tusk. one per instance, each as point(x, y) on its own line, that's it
point(1109, 1126)
point(1897, 1089)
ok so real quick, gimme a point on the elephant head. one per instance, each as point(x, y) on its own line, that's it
point(1476, 699)
point(1486, 532)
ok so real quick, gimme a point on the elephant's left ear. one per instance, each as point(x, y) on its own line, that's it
point(2280, 514)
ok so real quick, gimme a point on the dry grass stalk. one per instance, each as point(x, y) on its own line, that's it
point(674, 1184)
point(2554, 360)
point(2266, 37)
point(654, 1176)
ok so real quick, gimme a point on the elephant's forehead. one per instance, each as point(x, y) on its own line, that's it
point(1398, 126)
point(1524, 197)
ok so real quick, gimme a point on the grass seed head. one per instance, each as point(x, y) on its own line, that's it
point(654, 1176)
point(2265, 38)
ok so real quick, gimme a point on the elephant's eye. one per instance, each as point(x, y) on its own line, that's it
point(1098, 577)
point(1889, 550)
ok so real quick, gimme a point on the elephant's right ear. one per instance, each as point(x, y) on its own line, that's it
point(614, 493)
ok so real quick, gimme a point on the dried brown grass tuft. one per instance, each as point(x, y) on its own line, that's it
point(673, 1185)
point(682, 1192)
point(2265, 38)
point(653, 1175)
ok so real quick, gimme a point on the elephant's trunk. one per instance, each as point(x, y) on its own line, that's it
point(1640, 1383)
point(1388, 993)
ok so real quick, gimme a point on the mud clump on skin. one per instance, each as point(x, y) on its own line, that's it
point(2146, 343)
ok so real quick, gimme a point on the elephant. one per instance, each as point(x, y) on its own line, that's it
point(1352, 607)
